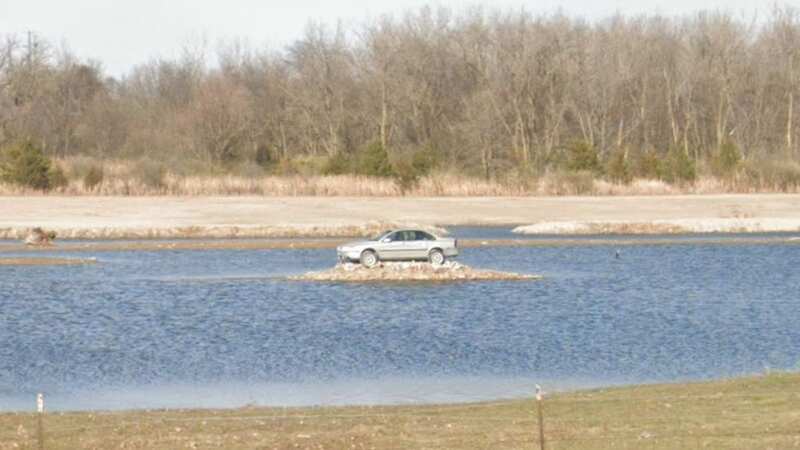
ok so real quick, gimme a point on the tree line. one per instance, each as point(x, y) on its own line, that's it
point(488, 93)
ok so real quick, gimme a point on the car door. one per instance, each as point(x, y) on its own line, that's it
point(392, 247)
point(416, 245)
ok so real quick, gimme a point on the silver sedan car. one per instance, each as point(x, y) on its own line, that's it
point(399, 245)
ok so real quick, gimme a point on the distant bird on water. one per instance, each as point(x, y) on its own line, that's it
point(617, 254)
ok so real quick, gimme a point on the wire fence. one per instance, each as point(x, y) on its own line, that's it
point(652, 422)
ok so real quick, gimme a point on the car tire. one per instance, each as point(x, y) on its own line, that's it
point(436, 257)
point(369, 259)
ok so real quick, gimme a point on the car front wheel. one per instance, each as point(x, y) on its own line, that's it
point(436, 257)
point(369, 259)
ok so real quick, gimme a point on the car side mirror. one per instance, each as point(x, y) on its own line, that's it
point(386, 240)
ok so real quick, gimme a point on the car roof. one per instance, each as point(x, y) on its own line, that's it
point(416, 230)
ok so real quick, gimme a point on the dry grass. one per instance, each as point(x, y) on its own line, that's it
point(437, 185)
point(338, 185)
point(452, 185)
point(129, 179)
point(760, 412)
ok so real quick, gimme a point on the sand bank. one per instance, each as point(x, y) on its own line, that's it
point(221, 232)
point(672, 226)
point(276, 217)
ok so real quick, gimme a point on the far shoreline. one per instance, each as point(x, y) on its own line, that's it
point(148, 218)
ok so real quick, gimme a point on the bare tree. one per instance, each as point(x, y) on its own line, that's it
point(492, 92)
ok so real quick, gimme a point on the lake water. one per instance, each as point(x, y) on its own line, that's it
point(221, 328)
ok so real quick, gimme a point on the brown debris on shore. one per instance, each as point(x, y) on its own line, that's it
point(45, 261)
point(39, 238)
point(410, 271)
point(215, 231)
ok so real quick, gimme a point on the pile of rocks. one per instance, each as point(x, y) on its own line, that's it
point(39, 237)
point(410, 271)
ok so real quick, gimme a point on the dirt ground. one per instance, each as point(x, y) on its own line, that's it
point(219, 217)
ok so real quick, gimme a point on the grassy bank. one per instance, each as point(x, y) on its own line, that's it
point(759, 412)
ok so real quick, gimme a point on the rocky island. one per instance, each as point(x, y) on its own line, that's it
point(410, 271)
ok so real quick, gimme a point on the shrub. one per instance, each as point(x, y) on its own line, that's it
point(151, 174)
point(618, 168)
point(424, 161)
point(567, 183)
point(246, 169)
point(57, 177)
point(582, 156)
point(522, 178)
point(264, 156)
point(678, 167)
point(779, 175)
point(648, 165)
point(727, 160)
point(77, 167)
point(25, 165)
point(409, 170)
point(338, 164)
point(374, 161)
point(407, 176)
point(284, 167)
point(93, 178)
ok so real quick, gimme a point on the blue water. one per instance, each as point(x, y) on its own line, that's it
point(222, 328)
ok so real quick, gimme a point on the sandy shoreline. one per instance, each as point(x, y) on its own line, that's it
point(286, 217)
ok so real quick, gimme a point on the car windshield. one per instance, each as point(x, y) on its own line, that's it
point(381, 236)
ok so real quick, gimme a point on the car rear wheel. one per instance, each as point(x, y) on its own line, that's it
point(369, 259)
point(436, 257)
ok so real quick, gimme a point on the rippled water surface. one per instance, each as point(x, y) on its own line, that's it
point(221, 328)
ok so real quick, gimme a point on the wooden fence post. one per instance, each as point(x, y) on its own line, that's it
point(539, 396)
point(40, 419)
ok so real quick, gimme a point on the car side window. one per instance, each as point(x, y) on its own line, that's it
point(409, 236)
point(395, 237)
point(423, 236)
